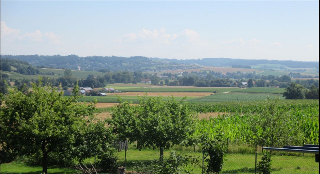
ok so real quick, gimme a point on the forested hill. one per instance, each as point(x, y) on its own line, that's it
point(228, 62)
point(99, 63)
point(18, 66)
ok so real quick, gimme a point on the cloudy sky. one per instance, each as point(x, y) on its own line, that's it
point(275, 30)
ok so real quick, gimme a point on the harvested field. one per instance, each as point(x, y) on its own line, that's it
point(104, 115)
point(211, 115)
point(164, 94)
point(107, 105)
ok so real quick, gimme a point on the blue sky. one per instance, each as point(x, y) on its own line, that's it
point(275, 30)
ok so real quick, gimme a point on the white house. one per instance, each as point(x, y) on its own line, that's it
point(147, 81)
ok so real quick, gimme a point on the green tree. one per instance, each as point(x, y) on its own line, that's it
point(250, 83)
point(67, 73)
point(295, 91)
point(153, 123)
point(43, 122)
point(312, 93)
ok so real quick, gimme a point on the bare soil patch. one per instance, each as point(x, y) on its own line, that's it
point(164, 94)
point(108, 105)
point(211, 115)
point(104, 115)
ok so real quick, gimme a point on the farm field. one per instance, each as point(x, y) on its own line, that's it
point(223, 97)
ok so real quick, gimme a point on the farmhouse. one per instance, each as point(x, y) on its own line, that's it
point(102, 94)
point(86, 88)
point(147, 81)
point(109, 90)
point(243, 84)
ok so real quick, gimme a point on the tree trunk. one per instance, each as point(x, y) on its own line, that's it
point(44, 158)
point(161, 153)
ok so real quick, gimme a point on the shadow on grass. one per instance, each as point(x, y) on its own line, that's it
point(135, 163)
point(69, 170)
point(247, 170)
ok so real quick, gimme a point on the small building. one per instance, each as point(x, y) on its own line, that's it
point(147, 81)
point(86, 88)
point(102, 94)
point(109, 90)
point(82, 91)
point(243, 84)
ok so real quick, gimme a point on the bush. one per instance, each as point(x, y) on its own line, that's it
point(264, 166)
point(108, 162)
point(174, 164)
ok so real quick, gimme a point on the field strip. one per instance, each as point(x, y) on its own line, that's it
point(163, 94)
point(208, 115)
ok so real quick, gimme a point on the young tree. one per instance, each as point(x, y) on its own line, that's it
point(153, 123)
point(43, 122)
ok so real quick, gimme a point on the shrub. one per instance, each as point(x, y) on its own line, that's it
point(264, 166)
point(108, 162)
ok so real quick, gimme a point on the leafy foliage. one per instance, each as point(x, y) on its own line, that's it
point(264, 165)
point(44, 123)
point(174, 164)
point(294, 91)
point(153, 123)
point(215, 148)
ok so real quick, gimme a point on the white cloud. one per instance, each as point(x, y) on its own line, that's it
point(276, 44)
point(192, 36)
point(234, 41)
point(11, 35)
point(52, 38)
point(159, 36)
point(309, 46)
point(34, 36)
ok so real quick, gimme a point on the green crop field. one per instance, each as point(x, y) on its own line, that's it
point(115, 99)
point(261, 90)
point(223, 97)
point(151, 88)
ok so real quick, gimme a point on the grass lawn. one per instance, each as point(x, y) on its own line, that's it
point(16, 167)
point(233, 163)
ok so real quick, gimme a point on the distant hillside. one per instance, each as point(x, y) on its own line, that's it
point(99, 63)
point(223, 62)
point(21, 67)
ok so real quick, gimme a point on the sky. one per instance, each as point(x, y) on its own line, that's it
point(269, 29)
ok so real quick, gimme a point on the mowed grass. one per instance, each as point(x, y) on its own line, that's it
point(233, 162)
point(18, 167)
point(224, 97)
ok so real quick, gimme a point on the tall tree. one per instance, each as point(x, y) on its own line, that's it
point(250, 83)
point(67, 73)
point(42, 122)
